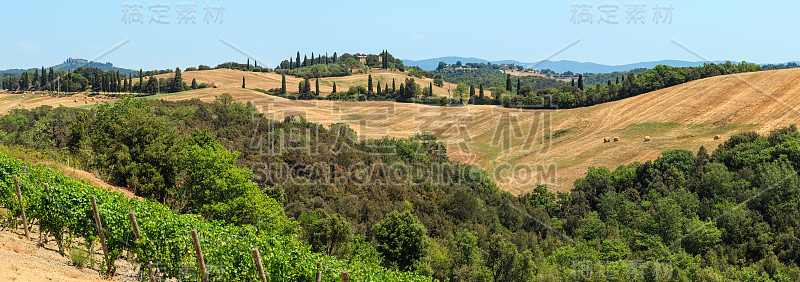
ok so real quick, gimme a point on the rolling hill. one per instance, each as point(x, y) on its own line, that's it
point(557, 66)
point(499, 139)
point(71, 65)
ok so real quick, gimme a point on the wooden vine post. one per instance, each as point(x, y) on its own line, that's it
point(345, 276)
point(319, 272)
point(135, 225)
point(22, 207)
point(101, 234)
point(259, 266)
point(199, 252)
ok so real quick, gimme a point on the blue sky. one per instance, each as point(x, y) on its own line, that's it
point(37, 33)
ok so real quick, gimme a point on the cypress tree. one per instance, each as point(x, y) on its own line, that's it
point(300, 87)
point(243, 82)
point(298, 60)
point(141, 81)
point(43, 79)
point(430, 89)
point(305, 61)
point(334, 57)
point(194, 83)
point(378, 88)
point(518, 85)
point(334, 87)
point(393, 89)
point(317, 86)
point(508, 82)
point(283, 84)
point(51, 76)
point(402, 90)
point(573, 82)
point(248, 63)
point(311, 63)
point(580, 81)
point(386, 90)
point(617, 80)
point(471, 90)
point(480, 93)
point(36, 78)
point(369, 84)
point(291, 63)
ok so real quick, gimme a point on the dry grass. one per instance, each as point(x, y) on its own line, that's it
point(503, 141)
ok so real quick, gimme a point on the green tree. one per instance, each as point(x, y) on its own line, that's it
point(243, 85)
point(316, 86)
point(283, 84)
point(508, 82)
point(194, 83)
point(326, 233)
point(580, 81)
point(369, 84)
point(480, 92)
point(402, 239)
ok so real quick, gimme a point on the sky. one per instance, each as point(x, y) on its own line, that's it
point(45, 33)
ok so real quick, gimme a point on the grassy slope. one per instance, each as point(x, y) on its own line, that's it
point(681, 117)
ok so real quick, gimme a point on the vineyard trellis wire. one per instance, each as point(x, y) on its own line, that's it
point(165, 247)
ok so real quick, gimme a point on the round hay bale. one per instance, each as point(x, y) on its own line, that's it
point(606, 140)
point(717, 137)
point(616, 139)
point(646, 138)
point(76, 100)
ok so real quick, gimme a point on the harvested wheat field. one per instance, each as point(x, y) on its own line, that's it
point(509, 144)
point(233, 78)
point(10, 101)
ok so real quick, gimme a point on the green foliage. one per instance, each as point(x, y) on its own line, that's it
point(165, 238)
point(401, 239)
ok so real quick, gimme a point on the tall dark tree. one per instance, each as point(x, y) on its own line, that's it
point(316, 87)
point(471, 90)
point(480, 92)
point(369, 84)
point(334, 57)
point(305, 61)
point(519, 85)
point(334, 87)
point(283, 84)
point(297, 64)
point(243, 85)
point(580, 81)
point(508, 82)
point(393, 89)
point(378, 88)
point(194, 83)
point(248, 63)
point(141, 81)
point(43, 79)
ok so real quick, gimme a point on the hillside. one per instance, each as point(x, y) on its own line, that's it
point(681, 117)
point(71, 65)
point(226, 78)
point(685, 116)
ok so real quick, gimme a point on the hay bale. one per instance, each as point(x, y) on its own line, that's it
point(606, 140)
point(616, 139)
point(717, 137)
point(76, 100)
point(646, 138)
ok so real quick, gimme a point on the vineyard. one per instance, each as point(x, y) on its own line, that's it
point(164, 248)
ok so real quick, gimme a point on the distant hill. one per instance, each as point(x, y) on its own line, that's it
point(71, 64)
point(557, 66)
